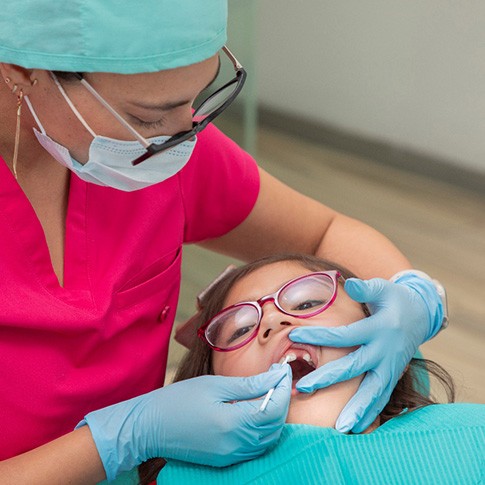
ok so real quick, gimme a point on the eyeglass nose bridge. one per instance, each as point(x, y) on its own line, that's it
point(265, 299)
point(259, 305)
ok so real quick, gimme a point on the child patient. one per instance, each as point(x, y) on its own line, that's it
point(244, 327)
point(312, 293)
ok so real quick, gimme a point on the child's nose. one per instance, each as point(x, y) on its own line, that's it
point(274, 321)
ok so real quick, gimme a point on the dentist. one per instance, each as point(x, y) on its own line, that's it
point(105, 172)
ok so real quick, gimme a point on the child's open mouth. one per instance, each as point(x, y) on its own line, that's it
point(302, 361)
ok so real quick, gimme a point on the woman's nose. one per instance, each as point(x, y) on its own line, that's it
point(273, 321)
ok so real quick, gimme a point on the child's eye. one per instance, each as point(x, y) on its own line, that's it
point(239, 333)
point(308, 304)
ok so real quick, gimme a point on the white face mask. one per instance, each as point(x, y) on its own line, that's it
point(109, 162)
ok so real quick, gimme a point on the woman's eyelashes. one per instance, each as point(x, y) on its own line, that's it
point(149, 125)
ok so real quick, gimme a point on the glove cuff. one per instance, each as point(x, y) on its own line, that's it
point(106, 426)
point(432, 292)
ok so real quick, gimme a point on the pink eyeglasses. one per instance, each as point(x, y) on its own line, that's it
point(302, 297)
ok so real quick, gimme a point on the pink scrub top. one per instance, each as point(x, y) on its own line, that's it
point(103, 337)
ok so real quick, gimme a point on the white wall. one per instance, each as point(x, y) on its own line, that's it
point(409, 72)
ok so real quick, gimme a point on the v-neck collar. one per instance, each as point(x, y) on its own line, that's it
point(32, 244)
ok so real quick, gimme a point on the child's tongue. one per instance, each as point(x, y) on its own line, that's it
point(299, 369)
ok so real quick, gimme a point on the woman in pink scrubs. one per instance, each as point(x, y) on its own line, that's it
point(105, 172)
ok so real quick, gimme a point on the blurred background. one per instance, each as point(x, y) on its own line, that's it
point(376, 109)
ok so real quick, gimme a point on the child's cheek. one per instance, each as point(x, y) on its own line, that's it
point(232, 365)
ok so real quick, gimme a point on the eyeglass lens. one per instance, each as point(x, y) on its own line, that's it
point(232, 327)
point(301, 298)
point(215, 101)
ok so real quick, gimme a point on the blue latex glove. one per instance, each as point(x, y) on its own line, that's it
point(196, 420)
point(404, 315)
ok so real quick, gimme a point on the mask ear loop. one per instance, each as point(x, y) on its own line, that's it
point(71, 105)
point(34, 114)
point(20, 99)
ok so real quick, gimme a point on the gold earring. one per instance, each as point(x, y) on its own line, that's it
point(20, 99)
point(7, 80)
point(14, 89)
point(33, 82)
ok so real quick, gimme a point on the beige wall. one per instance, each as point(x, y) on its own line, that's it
point(408, 72)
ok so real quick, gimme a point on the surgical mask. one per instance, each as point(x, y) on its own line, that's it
point(109, 162)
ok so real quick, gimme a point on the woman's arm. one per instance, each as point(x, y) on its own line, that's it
point(284, 220)
point(219, 428)
point(72, 458)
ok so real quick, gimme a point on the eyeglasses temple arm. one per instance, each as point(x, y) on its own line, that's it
point(229, 54)
point(142, 140)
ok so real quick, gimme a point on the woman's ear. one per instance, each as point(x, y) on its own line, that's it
point(18, 78)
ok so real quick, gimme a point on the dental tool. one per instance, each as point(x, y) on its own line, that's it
point(288, 358)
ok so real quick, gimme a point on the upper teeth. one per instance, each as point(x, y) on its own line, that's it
point(308, 359)
point(288, 358)
point(291, 357)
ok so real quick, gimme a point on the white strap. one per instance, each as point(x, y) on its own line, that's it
point(137, 135)
point(71, 105)
point(34, 114)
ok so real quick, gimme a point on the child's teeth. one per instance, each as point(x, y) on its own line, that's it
point(287, 358)
point(308, 359)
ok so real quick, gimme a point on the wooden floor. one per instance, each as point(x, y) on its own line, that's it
point(440, 228)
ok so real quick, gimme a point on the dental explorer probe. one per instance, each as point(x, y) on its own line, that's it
point(270, 392)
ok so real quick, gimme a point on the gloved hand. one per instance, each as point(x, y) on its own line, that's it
point(405, 314)
point(206, 420)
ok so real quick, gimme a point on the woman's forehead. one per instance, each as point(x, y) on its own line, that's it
point(146, 86)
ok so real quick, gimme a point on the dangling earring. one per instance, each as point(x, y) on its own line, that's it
point(20, 99)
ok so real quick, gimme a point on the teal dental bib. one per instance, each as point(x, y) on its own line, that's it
point(438, 444)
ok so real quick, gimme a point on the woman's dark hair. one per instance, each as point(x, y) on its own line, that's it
point(65, 76)
point(410, 392)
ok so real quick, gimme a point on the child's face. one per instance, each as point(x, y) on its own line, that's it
point(272, 343)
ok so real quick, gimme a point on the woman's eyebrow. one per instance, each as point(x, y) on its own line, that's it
point(175, 104)
point(161, 107)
